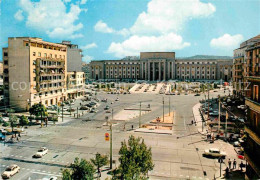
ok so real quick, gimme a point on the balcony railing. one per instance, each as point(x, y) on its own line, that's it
point(253, 132)
point(252, 104)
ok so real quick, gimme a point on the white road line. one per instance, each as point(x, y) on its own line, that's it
point(44, 171)
point(46, 174)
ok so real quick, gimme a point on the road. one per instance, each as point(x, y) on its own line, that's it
point(177, 156)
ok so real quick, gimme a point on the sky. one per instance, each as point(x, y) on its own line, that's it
point(113, 29)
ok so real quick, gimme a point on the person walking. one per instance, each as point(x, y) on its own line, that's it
point(229, 163)
point(241, 165)
point(234, 164)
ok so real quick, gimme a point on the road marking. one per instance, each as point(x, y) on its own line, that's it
point(28, 169)
point(46, 174)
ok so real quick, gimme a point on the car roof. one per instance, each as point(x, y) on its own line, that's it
point(214, 149)
point(12, 165)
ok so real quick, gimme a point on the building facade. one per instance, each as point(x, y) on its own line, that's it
point(74, 57)
point(240, 67)
point(161, 66)
point(75, 84)
point(34, 71)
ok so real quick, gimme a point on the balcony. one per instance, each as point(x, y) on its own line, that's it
point(254, 105)
point(253, 133)
point(52, 66)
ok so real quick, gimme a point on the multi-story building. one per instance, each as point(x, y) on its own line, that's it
point(252, 100)
point(1, 70)
point(75, 84)
point(74, 57)
point(34, 71)
point(158, 66)
point(252, 146)
point(86, 69)
point(240, 66)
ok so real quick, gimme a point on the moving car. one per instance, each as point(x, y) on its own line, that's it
point(41, 152)
point(10, 171)
point(117, 99)
point(214, 152)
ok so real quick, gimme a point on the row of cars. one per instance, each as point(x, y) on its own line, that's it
point(14, 169)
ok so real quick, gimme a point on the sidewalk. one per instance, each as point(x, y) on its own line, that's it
point(198, 119)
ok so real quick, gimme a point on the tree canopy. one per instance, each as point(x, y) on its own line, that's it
point(37, 109)
point(135, 160)
point(99, 161)
point(80, 169)
point(23, 120)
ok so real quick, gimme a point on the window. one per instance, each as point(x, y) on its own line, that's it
point(255, 92)
point(5, 53)
point(55, 55)
point(50, 55)
point(26, 44)
point(39, 54)
point(5, 62)
point(34, 53)
point(45, 54)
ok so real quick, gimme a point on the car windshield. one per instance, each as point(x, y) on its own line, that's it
point(8, 169)
point(40, 150)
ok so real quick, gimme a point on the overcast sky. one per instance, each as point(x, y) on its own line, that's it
point(113, 29)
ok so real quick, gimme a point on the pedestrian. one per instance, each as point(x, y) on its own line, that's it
point(241, 165)
point(229, 163)
point(227, 172)
point(191, 121)
point(234, 164)
point(132, 127)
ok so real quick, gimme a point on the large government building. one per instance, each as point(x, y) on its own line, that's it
point(161, 66)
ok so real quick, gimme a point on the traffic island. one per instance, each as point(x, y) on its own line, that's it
point(159, 125)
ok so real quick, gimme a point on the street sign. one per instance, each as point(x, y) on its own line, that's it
point(107, 136)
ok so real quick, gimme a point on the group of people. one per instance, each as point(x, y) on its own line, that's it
point(241, 165)
point(227, 170)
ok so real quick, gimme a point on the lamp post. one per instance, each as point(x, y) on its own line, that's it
point(163, 108)
point(140, 109)
point(62, 108)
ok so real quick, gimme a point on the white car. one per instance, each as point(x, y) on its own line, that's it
point(117, 99)
point(41, 152)
point(214, 152)
point(10, 171)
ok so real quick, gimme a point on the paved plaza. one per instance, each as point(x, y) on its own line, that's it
point(176, 156)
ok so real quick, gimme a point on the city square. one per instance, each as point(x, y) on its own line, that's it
point(129, 90)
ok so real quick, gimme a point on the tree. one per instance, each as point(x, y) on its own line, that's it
point(38, 110)
point(135, 160)
point(99, 162)
point(82, 170)
point(13, 121)
point(23, 121)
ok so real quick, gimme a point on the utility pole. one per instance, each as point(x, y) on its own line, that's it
point(219, 114)
point(220, 160)
point(169, 105)
point(226, 126)
point(208, 102)
point(163, 108)
point(112, 113)
point(140, 109)
point(70, 107)
point(62, 108)
point(77, 112)
point(111, 147)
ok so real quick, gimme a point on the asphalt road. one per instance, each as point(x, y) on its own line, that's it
point(174, 158)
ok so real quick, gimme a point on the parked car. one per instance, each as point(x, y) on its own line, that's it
point(117, 99)
point(106, 108)
point(10, 171)
point(83, 108)
point(214, 113)
point(214, 152)
point(197, 94)
point(41, 152)
point(93, 111)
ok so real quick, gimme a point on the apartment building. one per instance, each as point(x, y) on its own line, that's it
point(240, 69)
point(74, 57)
point(161, 66)
point(34, 71)
point(75, 84)
point(252, 100)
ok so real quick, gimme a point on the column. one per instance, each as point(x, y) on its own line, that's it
point(164, 71)
point(169, 71)
point(145, 71)
point(149, 73)
point(153, 71)
point(160, 71)
point(173, 70)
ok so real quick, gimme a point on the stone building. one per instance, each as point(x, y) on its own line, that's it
point(161, 66)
